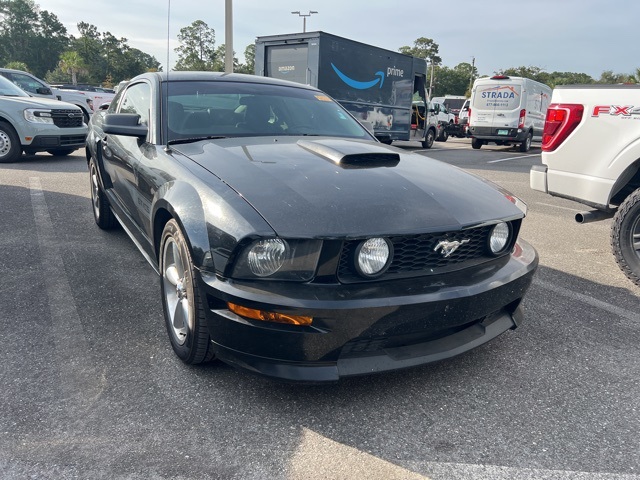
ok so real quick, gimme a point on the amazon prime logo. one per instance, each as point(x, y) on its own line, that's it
point(448, 247)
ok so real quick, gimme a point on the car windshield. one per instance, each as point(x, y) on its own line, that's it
point(198, 109)
point(9, 89)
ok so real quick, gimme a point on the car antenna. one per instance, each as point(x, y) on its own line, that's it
point(166, 103)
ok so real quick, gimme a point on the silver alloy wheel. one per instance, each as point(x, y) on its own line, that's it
point(95, 191)
point(175, 291)
point(5, 144)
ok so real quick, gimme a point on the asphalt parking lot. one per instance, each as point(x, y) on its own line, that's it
point(92, 390)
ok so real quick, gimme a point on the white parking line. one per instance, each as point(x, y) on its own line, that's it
point(80, 383)
point(514, 158)
point(319, 458)
point(607, 307)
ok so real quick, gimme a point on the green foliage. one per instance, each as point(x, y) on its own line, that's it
point(29, 35)
point(18, 66)
point(423, 48)
point(197, 47)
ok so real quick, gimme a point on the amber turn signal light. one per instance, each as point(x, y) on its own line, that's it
point(269, 316)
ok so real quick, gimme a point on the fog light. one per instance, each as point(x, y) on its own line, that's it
point(499, 237)
point(373, 257)
point(269, 316)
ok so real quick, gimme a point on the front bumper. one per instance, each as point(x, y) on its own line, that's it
point(43, 142)
point(366, 328)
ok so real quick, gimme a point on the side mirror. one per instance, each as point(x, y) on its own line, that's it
point(127, 124)
point(44, 91)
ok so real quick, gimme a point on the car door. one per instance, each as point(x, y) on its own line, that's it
point(122, 155)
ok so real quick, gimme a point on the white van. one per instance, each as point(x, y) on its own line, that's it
point(508, 110)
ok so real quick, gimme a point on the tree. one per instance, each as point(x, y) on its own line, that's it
point(72, 63)
point(18, 66)
point(197, 47)
point(423, 48)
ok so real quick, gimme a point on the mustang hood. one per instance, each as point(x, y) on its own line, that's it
point(345, 188)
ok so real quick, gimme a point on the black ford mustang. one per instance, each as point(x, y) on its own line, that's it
point(290, 242)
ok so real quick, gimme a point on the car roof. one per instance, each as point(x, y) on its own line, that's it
point(217, 76)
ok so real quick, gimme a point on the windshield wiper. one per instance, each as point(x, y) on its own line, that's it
point(178, 141)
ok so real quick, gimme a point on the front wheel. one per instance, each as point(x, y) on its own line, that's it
point(476, 143)
point(625, 237)
point(10, 148)
point(183, 312)
point(429, 139)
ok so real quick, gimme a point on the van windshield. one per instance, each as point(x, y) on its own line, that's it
point(497, 97)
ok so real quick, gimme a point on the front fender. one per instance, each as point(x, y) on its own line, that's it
point(213, 218)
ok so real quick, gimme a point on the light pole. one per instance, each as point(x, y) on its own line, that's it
point(304, 18)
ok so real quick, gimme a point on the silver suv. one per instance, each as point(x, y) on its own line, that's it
point(31, 124)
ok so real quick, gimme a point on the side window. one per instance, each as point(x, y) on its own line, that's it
point(136, 99)
point(27, 83)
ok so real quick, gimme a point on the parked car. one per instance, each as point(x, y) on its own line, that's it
point(39, 88)
point(31, 124)
point(508, 110)
point(29, 83)
point(289, 242)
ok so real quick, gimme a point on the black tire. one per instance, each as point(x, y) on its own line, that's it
point(444, 135)
point(625, 237)
point(525, 146)
point(476, 143)
point(181, 302)
point(429, 138)
point(104, 217)
point(10, 148)
point(61, 152)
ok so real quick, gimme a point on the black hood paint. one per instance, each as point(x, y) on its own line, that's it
point(306, 192)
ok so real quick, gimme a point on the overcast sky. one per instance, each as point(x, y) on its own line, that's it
point(584, 36)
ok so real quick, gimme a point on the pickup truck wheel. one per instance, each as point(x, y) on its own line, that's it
point(104, 217)
point(476, 143)
point(61, 152)
point(429, 138)
point(183, 313)
point(625, 237)
point(10, 149)
point(526, 145)
point(444, 135)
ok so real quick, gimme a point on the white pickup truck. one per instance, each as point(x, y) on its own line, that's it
point(591, 154)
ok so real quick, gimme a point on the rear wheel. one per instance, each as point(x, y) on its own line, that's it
point(104, 217)
point(526, 145)
point(183, 313)
point(429, 138)
point(10, 149)
point(476, 143)
point(625, 237)
point(444, 135)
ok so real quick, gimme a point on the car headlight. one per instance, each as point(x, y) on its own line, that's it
point(266, 257)
point(499, 238)
point(34, 115)
point(373, 257)
point(278, 259)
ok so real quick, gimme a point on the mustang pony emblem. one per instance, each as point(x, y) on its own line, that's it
point(449, 247)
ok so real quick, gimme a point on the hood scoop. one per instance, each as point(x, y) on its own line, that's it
point(351, 154)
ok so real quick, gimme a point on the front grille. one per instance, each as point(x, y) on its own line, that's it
point(415, 255)
point(67, 118)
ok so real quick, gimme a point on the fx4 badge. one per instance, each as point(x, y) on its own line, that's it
point(449, 247)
